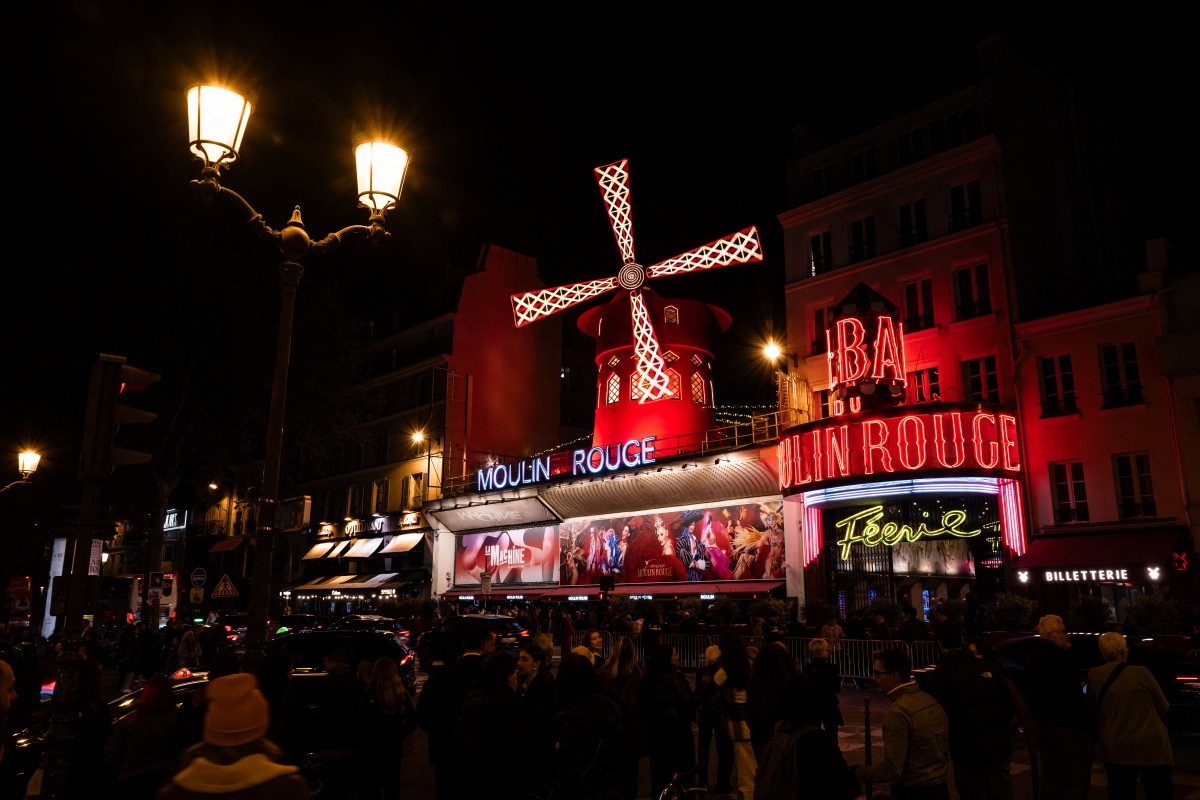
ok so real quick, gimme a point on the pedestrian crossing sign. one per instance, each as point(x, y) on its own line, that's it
point(225, 588)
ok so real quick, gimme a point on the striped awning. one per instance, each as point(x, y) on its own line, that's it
point(318, 550)
point(403, 543)
point(363, 548)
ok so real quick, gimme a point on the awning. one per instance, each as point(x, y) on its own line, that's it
point(318, 550)
point(403, 543)
point(338, 547)
point(231, 543)
point(363, 548)
point(1136, 547)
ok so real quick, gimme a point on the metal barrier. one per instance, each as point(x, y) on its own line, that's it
point(854, 658)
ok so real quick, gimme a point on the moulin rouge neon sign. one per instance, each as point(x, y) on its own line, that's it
point(898, 443)
point(584, 461)
point(863, 528)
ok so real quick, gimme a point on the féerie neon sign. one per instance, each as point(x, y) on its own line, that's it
point(863, 528)
point(962, 438)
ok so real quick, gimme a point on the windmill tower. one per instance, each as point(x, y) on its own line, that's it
point(647, 386)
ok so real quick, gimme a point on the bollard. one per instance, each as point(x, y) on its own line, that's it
point(867, 740)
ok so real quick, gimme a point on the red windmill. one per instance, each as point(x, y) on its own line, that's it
point(652, 380)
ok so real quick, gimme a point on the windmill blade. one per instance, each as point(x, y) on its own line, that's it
point(740, 248)
point(531, 306)
point(653, 383)
point(614, 188)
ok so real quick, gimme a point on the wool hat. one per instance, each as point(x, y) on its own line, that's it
point(711, 655)
point(237, 711)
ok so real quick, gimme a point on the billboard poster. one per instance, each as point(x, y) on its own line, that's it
point(513, 557)
point(741, 540)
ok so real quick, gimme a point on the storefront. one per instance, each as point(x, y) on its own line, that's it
point(1114, 565)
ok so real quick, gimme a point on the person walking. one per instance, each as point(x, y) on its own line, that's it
point(588, 752)
point(189, 650)
point(1064, 722)
point(620, 678)
point(143, 748)
point(440, 702)
point(235, 759)
point(916, 756)
point(772, 668)
point(493, 698)
point(536, 695)
point(669, 707)
point(1129, 705)
point(385, 717)
point(979, 705)
point(825, 676)
point(733, 678)
point(708, 724)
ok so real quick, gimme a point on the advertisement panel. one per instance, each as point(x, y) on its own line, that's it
point(513, 557)
point(739, 540)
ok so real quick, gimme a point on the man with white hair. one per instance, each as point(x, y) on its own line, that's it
point(1133, 739)
point(1055, 696)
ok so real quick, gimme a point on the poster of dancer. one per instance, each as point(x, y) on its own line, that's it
point(727, 541)
point(514, 557)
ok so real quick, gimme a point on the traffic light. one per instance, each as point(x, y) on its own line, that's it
point(111, 379)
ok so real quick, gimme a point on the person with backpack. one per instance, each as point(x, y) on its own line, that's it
point(800, 759)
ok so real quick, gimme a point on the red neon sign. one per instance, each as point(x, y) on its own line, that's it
point(953, 438)
point(852, 357)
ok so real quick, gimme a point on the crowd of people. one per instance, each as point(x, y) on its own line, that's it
point(585, 728)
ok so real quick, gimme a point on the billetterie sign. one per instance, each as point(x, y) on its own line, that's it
point(898, 445)
point(584, 461)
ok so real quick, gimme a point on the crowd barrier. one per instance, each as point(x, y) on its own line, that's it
point(854, 657)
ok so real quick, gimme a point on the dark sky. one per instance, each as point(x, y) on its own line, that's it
point(505, 113)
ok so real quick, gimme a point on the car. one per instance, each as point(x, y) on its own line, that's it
point(443, 643)
point(295, 622)
point(307, 650)
point(372, 622)
point(1172, 659)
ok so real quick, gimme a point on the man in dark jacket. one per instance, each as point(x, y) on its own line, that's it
point(977, 700)
point(1055, 695)
point(440, 703)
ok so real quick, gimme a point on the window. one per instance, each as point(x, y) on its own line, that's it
point(923, 386)
point(355, 501)
point(406, 492)
point(1121, 382)
point(937, 136)
point(966, 206)
point(918, 305)
point(696, 360)
point(972, 294)
point(697, 388)
point(1070, 492)
point(673, 385)
point(862, 239)
point(862, 166)
point(1058, 386)
point(671, 315)
point(912, 223)
point(1135, 492)
point(979, 380)
point(669, 357)
point(612, 362)
point(820, 249)
point(822, 398)
point(380, 450)
point(334, 509)
point(614, 389)
point(381, 496)
point(822, 322)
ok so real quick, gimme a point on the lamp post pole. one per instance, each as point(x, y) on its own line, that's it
point(217, 119)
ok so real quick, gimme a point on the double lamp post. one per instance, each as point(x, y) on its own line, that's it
point(217, 118)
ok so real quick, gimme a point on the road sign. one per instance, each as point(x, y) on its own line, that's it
point(485, 582)
point(225, 588)
point(196, 596)
point(156, 580)
point(199, 576)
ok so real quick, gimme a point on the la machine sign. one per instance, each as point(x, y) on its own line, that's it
point(903, 442)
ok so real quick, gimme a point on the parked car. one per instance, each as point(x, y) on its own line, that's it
point(373, 622)
point(235, 628)
point(1173, 660)
point(443, 642)
point(290, 623)
point(307, 650)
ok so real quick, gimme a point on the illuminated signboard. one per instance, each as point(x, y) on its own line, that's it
point(584, 461)
point(641, 597)
point(863, 528)
point(852, 357)
point(466, 597)
point(577, 597)
point(708, 597)
point(1078, 575)
point(900, 442)
point(513, 557)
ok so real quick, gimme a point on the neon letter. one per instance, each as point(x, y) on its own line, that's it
point(625, 459)
point(889, 363)
point(485, 479)
point(916, 438)
point(838, 452)
point(830, 357)
point(853, 362)
point(869, 446)
point(818, 454)
point(1008, 442)
point(595, 460)
point(648, 450)
point(977, 435)
point(939, 440)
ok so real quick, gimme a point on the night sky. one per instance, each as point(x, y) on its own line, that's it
point(505, 114)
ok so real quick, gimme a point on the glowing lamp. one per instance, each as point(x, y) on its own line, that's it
point(27, 463)
point(418, 437)
point(217, 120)
point(381, 168)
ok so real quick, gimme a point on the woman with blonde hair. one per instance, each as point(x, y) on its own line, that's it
point(385, 718)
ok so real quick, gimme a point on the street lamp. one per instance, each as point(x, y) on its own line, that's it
point(27, 464)
point(217, 119)
point(786, 384)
